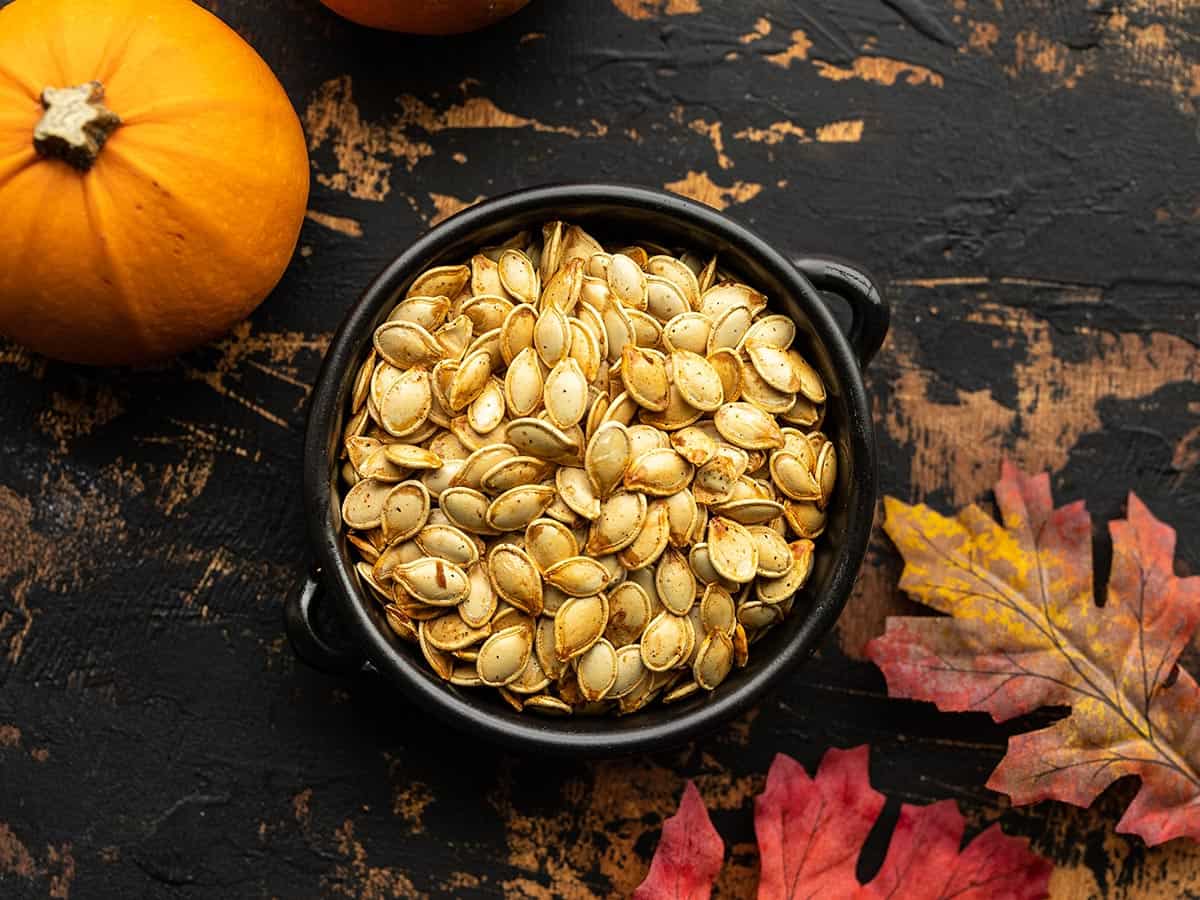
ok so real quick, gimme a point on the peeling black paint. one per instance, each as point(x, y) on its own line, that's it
point(165, 730)
point(924, 19)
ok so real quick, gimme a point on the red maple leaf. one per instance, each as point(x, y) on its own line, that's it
point(1024, 631)
point(689, 854)
point(811, 831)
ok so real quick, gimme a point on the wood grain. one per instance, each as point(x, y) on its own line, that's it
point(1023, 176)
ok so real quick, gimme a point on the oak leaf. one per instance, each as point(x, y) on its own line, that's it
point(1024, 631)
point(811, 830)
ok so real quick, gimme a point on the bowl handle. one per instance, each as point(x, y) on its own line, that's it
point(300, 620)
point(870, 312)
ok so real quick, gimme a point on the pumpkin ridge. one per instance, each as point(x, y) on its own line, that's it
point(111, 56)
point(92, 186)
point(56, 41)
point(128, 156)
point(134, 143)
point(174, 107)
point(25, 241)
point(187, 214)
point(23, 158)
point(14, 78)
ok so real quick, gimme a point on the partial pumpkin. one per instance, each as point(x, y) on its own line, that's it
point(153, 178)
point(426, 16)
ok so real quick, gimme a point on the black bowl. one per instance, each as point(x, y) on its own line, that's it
point(624, 214)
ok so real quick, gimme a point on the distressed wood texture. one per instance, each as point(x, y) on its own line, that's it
point(1024, 175)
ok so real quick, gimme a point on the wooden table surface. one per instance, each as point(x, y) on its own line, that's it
point(1024, 175)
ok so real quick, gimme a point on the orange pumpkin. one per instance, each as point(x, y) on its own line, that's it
point(153, 178)
point(426, 16)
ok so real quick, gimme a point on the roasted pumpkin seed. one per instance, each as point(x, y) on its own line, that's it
point(434, 581)
point(449, 632)
point(772, 331)
point(469, 380)
point(487, 311)
point(517, 507)
point(504, 655)
point(623, 409)
point(651, 540)
point(644, 438)
point(409, 457)
point(565, 396)
point(533, 678)
point(548, 542)
point(732, 550)
point(728, 367)
point(441, 281)
point(406, 344)
point(678, 414)
point(486, 411)
point(714, 660)
point(513, 472)
point(659, 473)
point(745, 425)
point(750, 510)
point(777, 590)
point(518, 276)
point(767, 398)
point(455, 337)
point(480, 462)
point(774, 557)
point(449, 543)
point(395, 554)
point(697, 380)
point(682, 512)
point(597, 670)
point(481, 601)
point(546, 705)
point(795, 479)
point(577, 576)
point(631, 671)
point(551, 336)
point(576, 491)
point(826, 473)
point(629, 611)
point(644, 374)
point(621, 517)
point(627, 281)
point(807, 520)
point(428, 312)
point(562, 289)
point(728, 328)
point(545, 649)
point(665, 642)
point(363, 505)
point(687, 331)
point(580, 622)
point(675, 582)
point(516, 333)
point(405, 406)
point(694, 444)
point(717, 611)
point(515, 578)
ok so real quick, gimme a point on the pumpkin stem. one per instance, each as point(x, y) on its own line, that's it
point(76, 124)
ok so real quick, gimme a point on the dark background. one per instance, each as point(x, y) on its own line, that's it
point(1023, 175)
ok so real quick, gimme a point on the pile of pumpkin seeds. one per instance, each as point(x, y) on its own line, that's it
point(572, 474)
